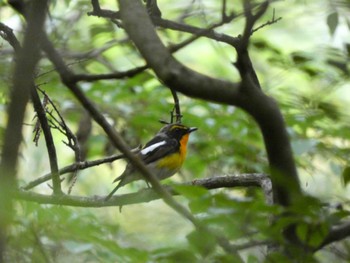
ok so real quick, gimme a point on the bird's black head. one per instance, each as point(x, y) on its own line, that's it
point(176, 130)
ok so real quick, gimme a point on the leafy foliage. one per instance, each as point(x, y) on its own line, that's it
point(305, 68)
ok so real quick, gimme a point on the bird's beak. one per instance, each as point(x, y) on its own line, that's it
point(192, 129)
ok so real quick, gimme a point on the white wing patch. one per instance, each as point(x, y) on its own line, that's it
point(152, 147)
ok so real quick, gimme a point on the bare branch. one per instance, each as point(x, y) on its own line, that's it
point(251, 20)
point(97, 11)
point(223, 10)
point(115, 75)
point(267, 23)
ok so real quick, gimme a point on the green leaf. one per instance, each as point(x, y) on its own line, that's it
point(169, 255)
point(312, 235)
point(202, 241)
point(346, 175)
point(191, 191)
point(332, 22)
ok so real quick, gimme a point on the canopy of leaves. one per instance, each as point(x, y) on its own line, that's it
point(302, 61)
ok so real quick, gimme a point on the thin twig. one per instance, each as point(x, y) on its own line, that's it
point(223, 11)
point(199, 32)
point(251, 20)
point(73, 167)
point(176, 112)
point(51, 149)
point(115, 75)
point(269, 22)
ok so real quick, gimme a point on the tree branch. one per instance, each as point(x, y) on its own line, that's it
point(200, 32)
point(51, 150)
point(115, 75)
point(336, 233)
point(251, 20)
point(7, 34)
point(97, 11)
point(144, 195)
point(267, 23)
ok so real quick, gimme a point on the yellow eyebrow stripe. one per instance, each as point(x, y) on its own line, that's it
point(177, 126)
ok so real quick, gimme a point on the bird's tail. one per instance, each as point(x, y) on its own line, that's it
point(120, 184)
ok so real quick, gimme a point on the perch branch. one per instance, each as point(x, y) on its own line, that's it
point(144, 195)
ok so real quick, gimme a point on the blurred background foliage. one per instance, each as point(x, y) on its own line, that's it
point(302, 61)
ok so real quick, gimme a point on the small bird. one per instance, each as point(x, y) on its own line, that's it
point(163, 155)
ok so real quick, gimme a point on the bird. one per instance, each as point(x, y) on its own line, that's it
point(163, 155)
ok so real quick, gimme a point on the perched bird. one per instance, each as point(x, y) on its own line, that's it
point(163, 155)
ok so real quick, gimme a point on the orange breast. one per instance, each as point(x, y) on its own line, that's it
point(175, 160)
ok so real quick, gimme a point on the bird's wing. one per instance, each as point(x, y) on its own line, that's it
point(154, 150)
point(157, 148)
